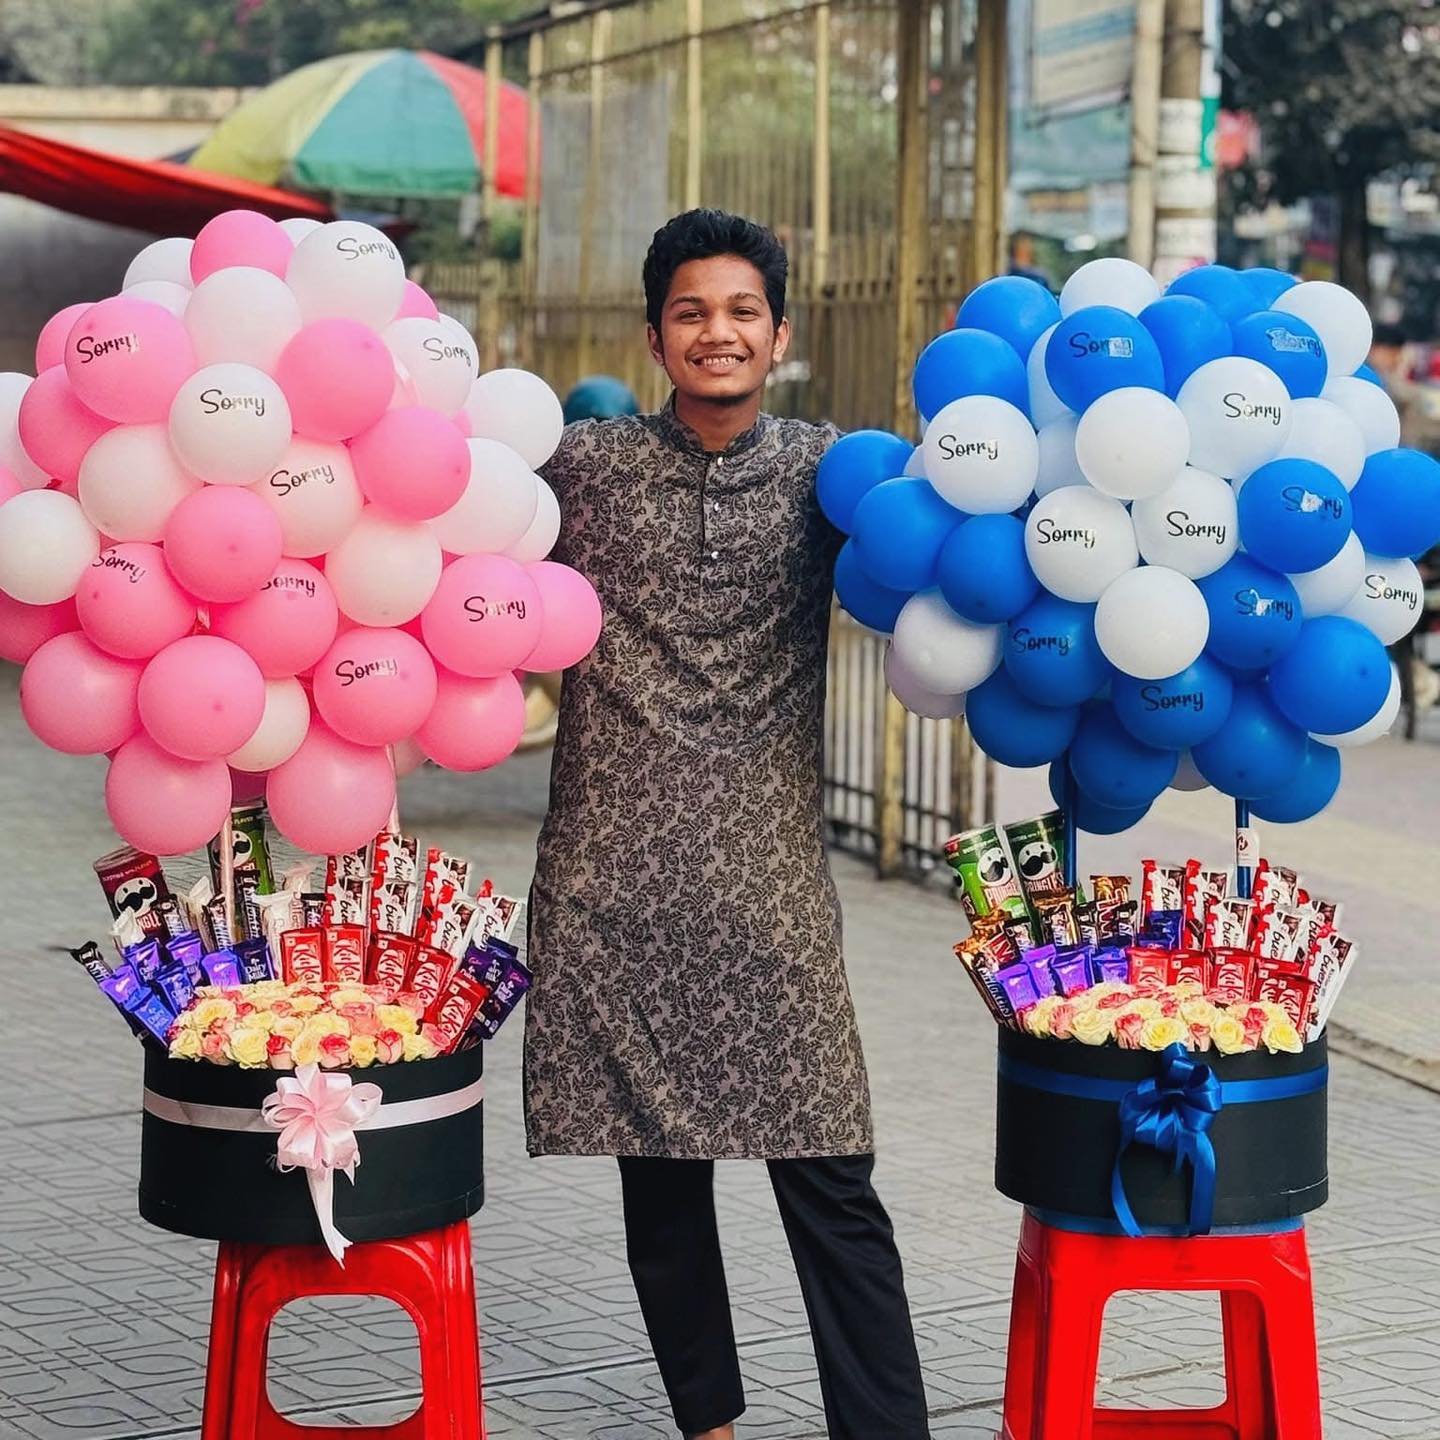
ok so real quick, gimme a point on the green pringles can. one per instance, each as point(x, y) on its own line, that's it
point(252, 852)
point(983, 871)
point(1038, 848)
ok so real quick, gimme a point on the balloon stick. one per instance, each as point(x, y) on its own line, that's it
point(1071, 798)
point(1242, 872)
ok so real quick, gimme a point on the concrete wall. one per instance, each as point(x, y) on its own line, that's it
point(49, 259)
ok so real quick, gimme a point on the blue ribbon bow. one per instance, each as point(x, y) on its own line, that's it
point(1172, 1113)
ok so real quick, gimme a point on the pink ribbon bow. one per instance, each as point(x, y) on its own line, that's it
point(317, 1113)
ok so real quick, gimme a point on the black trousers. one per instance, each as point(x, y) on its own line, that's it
point(849, 1270)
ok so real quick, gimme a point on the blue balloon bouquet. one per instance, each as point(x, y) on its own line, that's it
point(1147, 540)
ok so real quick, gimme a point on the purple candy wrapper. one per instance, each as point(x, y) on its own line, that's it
point(1018, 983)
point(513, 983)
point(123, 985)
point(1164, 930)
point(254, 960)
point(146, 956)
point(155, 1015)
point(1039, 964)
point(174, 986)
point(221, 969)
point(1111, 965)
point(1072, 970)
point(188, 949)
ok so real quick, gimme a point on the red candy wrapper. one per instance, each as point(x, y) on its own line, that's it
point(1149, 967)
point(1228, 923)
point(430, 973)
point(1292, 992)
point(345, 954)
point(392, 906)
point(347, 901)
point(396, 859)
point(1278, 933)
point(1162, 889)
point(1232, 973)
point(1189, 965)
point(452, 1013)
point(134, 884)
point(302, 956)
point(1274, 885)
point(1202, 888)
point(441, 871)
point(390, 959)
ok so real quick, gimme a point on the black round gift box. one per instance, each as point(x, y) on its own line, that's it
point(224, 1185)
point(1056, 1152)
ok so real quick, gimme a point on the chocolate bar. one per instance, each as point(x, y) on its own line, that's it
point(503, 999)
point(1162, 889)
point(453, 1011)
point(221, 969)
point(1273, 885)
point(174, 985)
point(1228, 923)
point(430, 973)
point(1056, 915)
point(89, 958)
point(1191, 966)
point(253, 957)
point(390, 958)
point(396, 859)
point(1202, 888)
point(1148, 966)
point(302, 956)
point(345, 954)
point(347, 901)
point(1109, 887)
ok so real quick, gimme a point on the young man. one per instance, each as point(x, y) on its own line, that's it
point(690, 1002)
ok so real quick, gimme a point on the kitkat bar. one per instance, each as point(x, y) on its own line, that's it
point(390, 958)
point(345, 954)
point(1189, 967)
point(302, 956)
point(1289, 990)
point(1149, 968)
point(430, 973)
point(1232, 973)
point(134, 883)
point(456, 1007)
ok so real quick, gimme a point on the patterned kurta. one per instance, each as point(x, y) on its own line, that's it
point(690, 999)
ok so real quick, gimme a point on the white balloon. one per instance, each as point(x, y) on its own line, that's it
point(1239, 413)
point(914, 696)
point(1377, 725)
point(1339, 318)
point(499, 504)
point(1131, 443)
point(314, 493)
point(1152, 623)
point(1111, 281)
point(165, 293)
point(1078, 541)
point(243, 314)
point(131, 480)
point(161, 260)
point(1058, 465)
point(13, 456)
point(1369, 407)
point(940, 650)
point(539, 540)
point(519, 410)
point(1045, 404)
point(46, 546)
point(349, 270)
point(915, 465)
point(1328, 589)
point(230, 424)
point(440, 368)
point(981, 455)
point(1187, 777)
point(384, 571)
point(299, 226)
point(283, 726)
point(1389, 600)
point(1321, 431)
point(462, 337)
point(1191, 526)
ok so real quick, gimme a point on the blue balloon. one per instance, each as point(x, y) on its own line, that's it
point(1256, 752)
point(1294, 515)
point(968, 362)
point(1052, 654)
point(1016, 731)
point(1112, 767)
point(1266, 286)
point(1218, 286)
point(900, 527)
point(1254, 613)
point(1090, 816)
point(983, 572)
point(600, 397)
point(1189, 333)
point(1308, 793)
point(872, 605)
point(1099, 349)
point(1397, 503)
point(1334, 677)
point(1178, 712)
point(1014, 307)
point(853, 466)
point(1370, 373)
point(1288, 345)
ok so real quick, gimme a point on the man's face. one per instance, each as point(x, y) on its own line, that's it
point(717, 339)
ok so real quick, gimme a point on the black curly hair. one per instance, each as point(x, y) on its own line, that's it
point(700, 234)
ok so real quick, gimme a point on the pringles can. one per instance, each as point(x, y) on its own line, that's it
point(983, 871)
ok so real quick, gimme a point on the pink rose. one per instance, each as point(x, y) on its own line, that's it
point(281, 1007)
point(277, 1047)
point(212, 1047)
point(1114, 1000)
point(334, 1051)
point(363, 1024)
point(1169, 1006)
point(1127, 1031)
point(389, 1047)
point(1062, 1020)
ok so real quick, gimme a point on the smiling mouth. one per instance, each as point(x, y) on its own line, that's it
point(718, 364)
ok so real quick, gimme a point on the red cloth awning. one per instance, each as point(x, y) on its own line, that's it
point(151, 195)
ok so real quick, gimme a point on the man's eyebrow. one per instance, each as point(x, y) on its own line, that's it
point(700, 299)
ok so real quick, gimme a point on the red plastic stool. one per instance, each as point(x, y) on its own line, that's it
point(1064, 1278)
point(428, 1274)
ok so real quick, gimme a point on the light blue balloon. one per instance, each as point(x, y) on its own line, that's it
point(1017, 309)
point(1218, 286)
point(1266, 286)
point(872, 605)
point(1334, 678)
point(900, 528)
point(969, 362)
point(1286, 344)
point(852, 467)
point(1255, 613)
point(1052, 654)
point(1098, 349)
point(1178, 712)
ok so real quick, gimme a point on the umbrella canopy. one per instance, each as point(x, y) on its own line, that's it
point(374, 122)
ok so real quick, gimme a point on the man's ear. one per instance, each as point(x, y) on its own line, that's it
point(657, 351)
point(782, 341)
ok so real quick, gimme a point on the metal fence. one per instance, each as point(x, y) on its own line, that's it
point(869, 134)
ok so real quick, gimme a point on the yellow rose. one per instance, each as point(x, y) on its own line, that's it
point(185, 1045)
point(306, 1004)
point(1145, 1007)
point(1163, 1031)
point(262, 992)
point(1093, 1027)
point(207, 1012)
point(1281, 1035)
point(1227, 1034)
point(288, 1026)
point(419, 1047)
point(396, 1017)
point(247, 1046)
point(305, 1049)
point(1198, 1011)
point(325, 1024)
point(349, 996)
point(362, 1050)
point(1037, 1018)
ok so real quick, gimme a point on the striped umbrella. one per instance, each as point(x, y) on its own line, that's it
point(374, 122)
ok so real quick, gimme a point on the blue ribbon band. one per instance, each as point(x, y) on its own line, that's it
point(1171, 1112)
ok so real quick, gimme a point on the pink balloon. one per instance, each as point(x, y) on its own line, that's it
point(374, 687)
point(25, 628)
point(55, 428)
point(129, 603)
point(50, 347)
point(201, 697)
point(570, 617)
point(417, 302)
point(287, 625)
point(484, 617)
point(127, 358)
point(78, 699)
point(240, 237)
point(475, 723)
point(223, 543)
point(337, 376)
point(245, 787)
point(162, 804)
point(412, 462)
point(10, 485)
point(331, 796)
point(407, 755)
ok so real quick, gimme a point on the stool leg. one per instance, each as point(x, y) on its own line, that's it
point(1068, 1357)
point(1020, 1351)
point(1249, 1400)
point(220, 1364)
point(450, 1351)
point(1289, 1306)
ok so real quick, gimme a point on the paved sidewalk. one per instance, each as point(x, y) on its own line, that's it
point(103, 1320)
